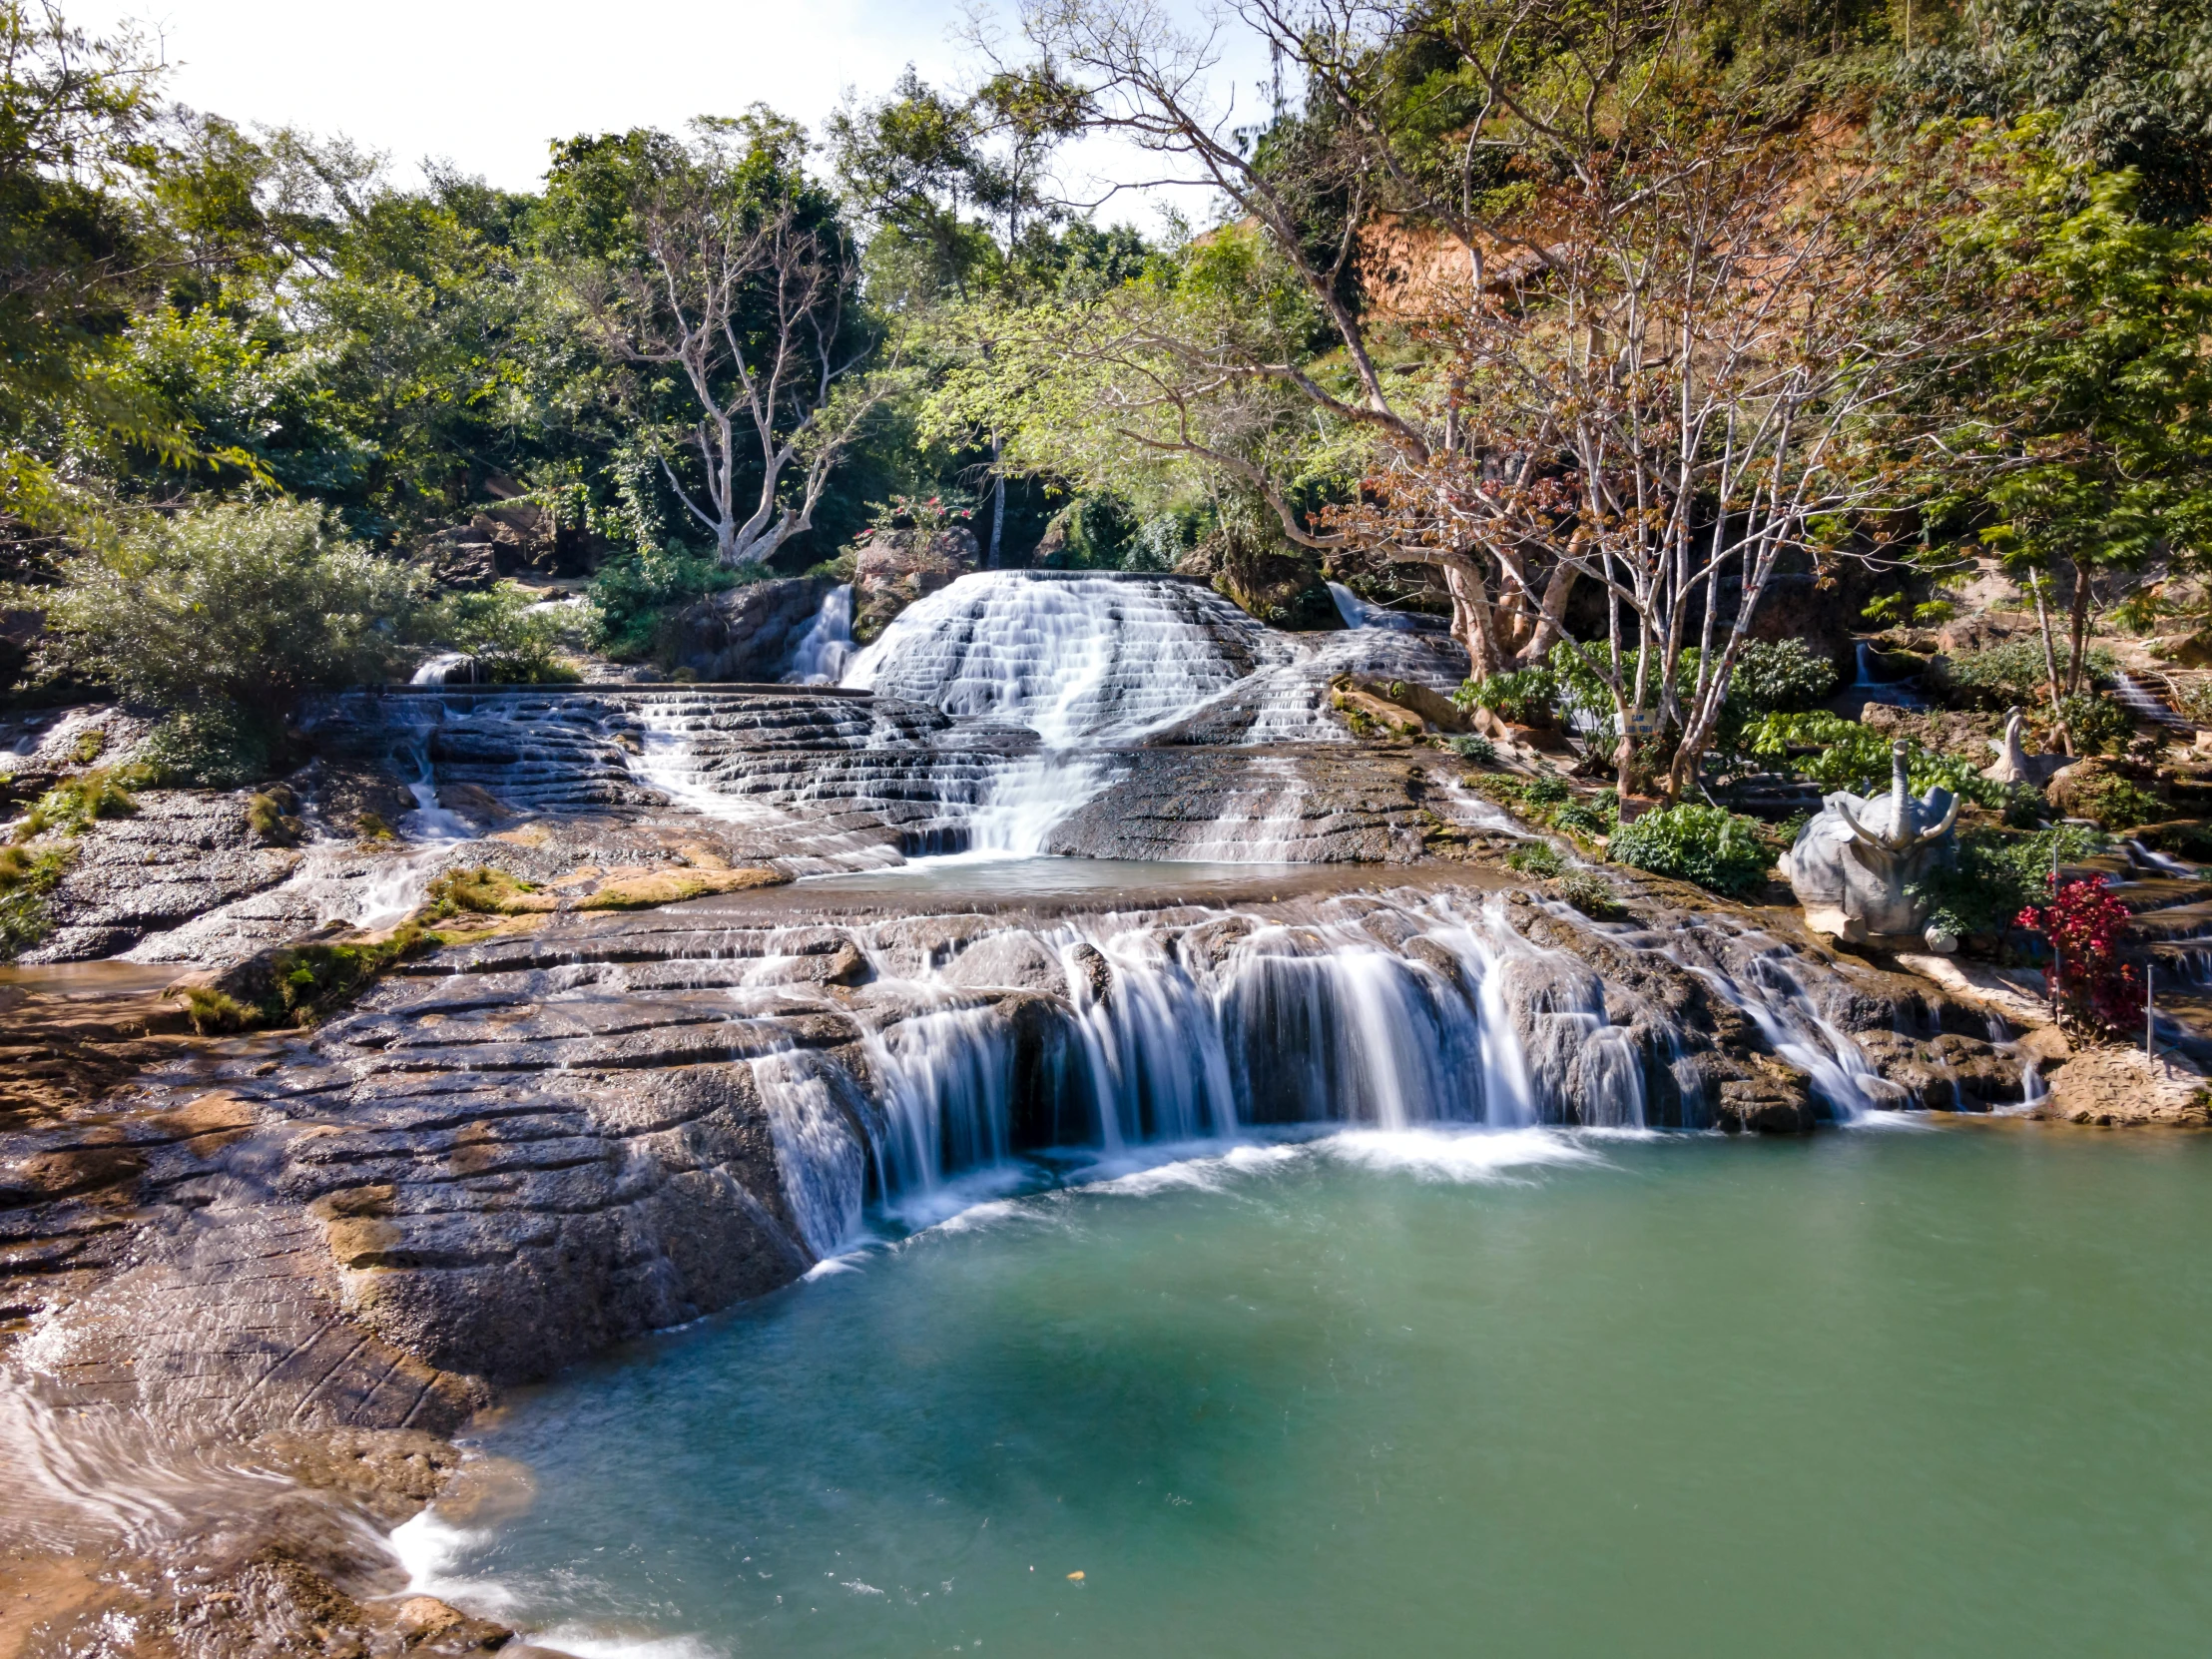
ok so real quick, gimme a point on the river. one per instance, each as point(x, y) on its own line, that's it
point(1534, 1392)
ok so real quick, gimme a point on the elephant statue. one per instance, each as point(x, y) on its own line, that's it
point(1855, 861)
point(2015, 764)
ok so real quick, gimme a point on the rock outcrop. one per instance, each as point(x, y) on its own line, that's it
point(747, 633)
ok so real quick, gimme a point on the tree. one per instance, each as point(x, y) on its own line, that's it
point(733, 279)
point(1670, 299)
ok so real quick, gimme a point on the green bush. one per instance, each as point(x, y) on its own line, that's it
point(509, 645)
point(1590, 816)
point(1524, 697)
point(1859, 758)
point(242, 606)
point(71, 805)
point(208, 748)
point(1772, 676)
point(1480, 751)
point(1535, 858)
point(1995, 875)
point(27, 878)
point(1592, 895)
point(2116, 803)
point(2015, 673)
point(630, 595)
point(2098, 725)
point(1714, 848)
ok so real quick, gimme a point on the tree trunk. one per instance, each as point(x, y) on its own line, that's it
point(998, 506)
point(2050, 660)
point(1551, 625)
point(1471, 620)
point(2079, 629)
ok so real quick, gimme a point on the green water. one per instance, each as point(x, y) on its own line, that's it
point(1876, 1392)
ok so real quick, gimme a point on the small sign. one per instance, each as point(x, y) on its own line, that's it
point(1641, 723)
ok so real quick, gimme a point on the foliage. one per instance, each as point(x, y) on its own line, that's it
point(1525, 696)
point(510, 641)
point(1480, 751)
point(70, 807)
point(1534, 857)
point(1995, 874)
point(28, 875)
point(215, 746)
point(1860, 759)
point(481, 891)
point(2015, 673)
point(248, 606)
point(2098, 725)
point(1690, 843)
point(630, 595)
point(1774, 677)
point(1592, 895)
point(2088, 930)
point(2115, 803)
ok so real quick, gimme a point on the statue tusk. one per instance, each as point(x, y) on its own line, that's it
point(1857, 833)
point(1950, 817)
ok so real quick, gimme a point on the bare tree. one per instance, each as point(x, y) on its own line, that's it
point(749, 303)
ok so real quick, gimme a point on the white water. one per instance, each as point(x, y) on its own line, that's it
point(1196, 1040)
point(824, 651)
point(1358, 613)
point(1080, 658)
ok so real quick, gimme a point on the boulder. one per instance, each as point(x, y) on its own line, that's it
point(894, 570)
point(747, 633)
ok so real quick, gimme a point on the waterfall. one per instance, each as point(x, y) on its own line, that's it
point(1074, 659)
point(1358, 613)
point(1171, 1032)
point(826, 647)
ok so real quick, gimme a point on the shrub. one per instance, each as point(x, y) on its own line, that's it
point(510, 645)
point(1535, 858)
point(1590, 816)
point(2116, 803)
point(2087, 930)
point(1773, 677)
point(213, 746)
point(1714, 848)
point(71, 805)
point(478, 891)
point(1859, 758)
point(1524, 697)
point(27, 878)
point(242, 606)
point(1592, 895)
point(91, 745)
point(631, 594)
point(1995, 875)
point(1480, 751)
point(2014, 672)
point(1548, 789)
point(2098, 725)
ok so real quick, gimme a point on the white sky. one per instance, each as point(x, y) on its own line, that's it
point(488, 83)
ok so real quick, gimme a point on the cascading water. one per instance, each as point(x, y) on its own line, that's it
point(826, 648)
point(1075, 659)
point(1200, 1030)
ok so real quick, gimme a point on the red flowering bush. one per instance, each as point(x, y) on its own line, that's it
point(2087, 930)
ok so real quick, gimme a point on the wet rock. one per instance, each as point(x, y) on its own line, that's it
point(896, 569)
point(2112, 1086)
point(747, 633)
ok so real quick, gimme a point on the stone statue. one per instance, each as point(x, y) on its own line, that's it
point(2015, 764)
point(1854, 861)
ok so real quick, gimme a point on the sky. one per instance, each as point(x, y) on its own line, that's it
point(487, 83)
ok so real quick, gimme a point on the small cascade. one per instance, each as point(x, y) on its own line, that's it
point(2143, 705)
point(1074, 659)
point(1174, 1031)
point(827, 647)
point(1358, 613)
point(448, 667)
point(1866, 689)
point(1842, 1078)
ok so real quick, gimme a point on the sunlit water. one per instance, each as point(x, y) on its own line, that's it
point(1522, 1392)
